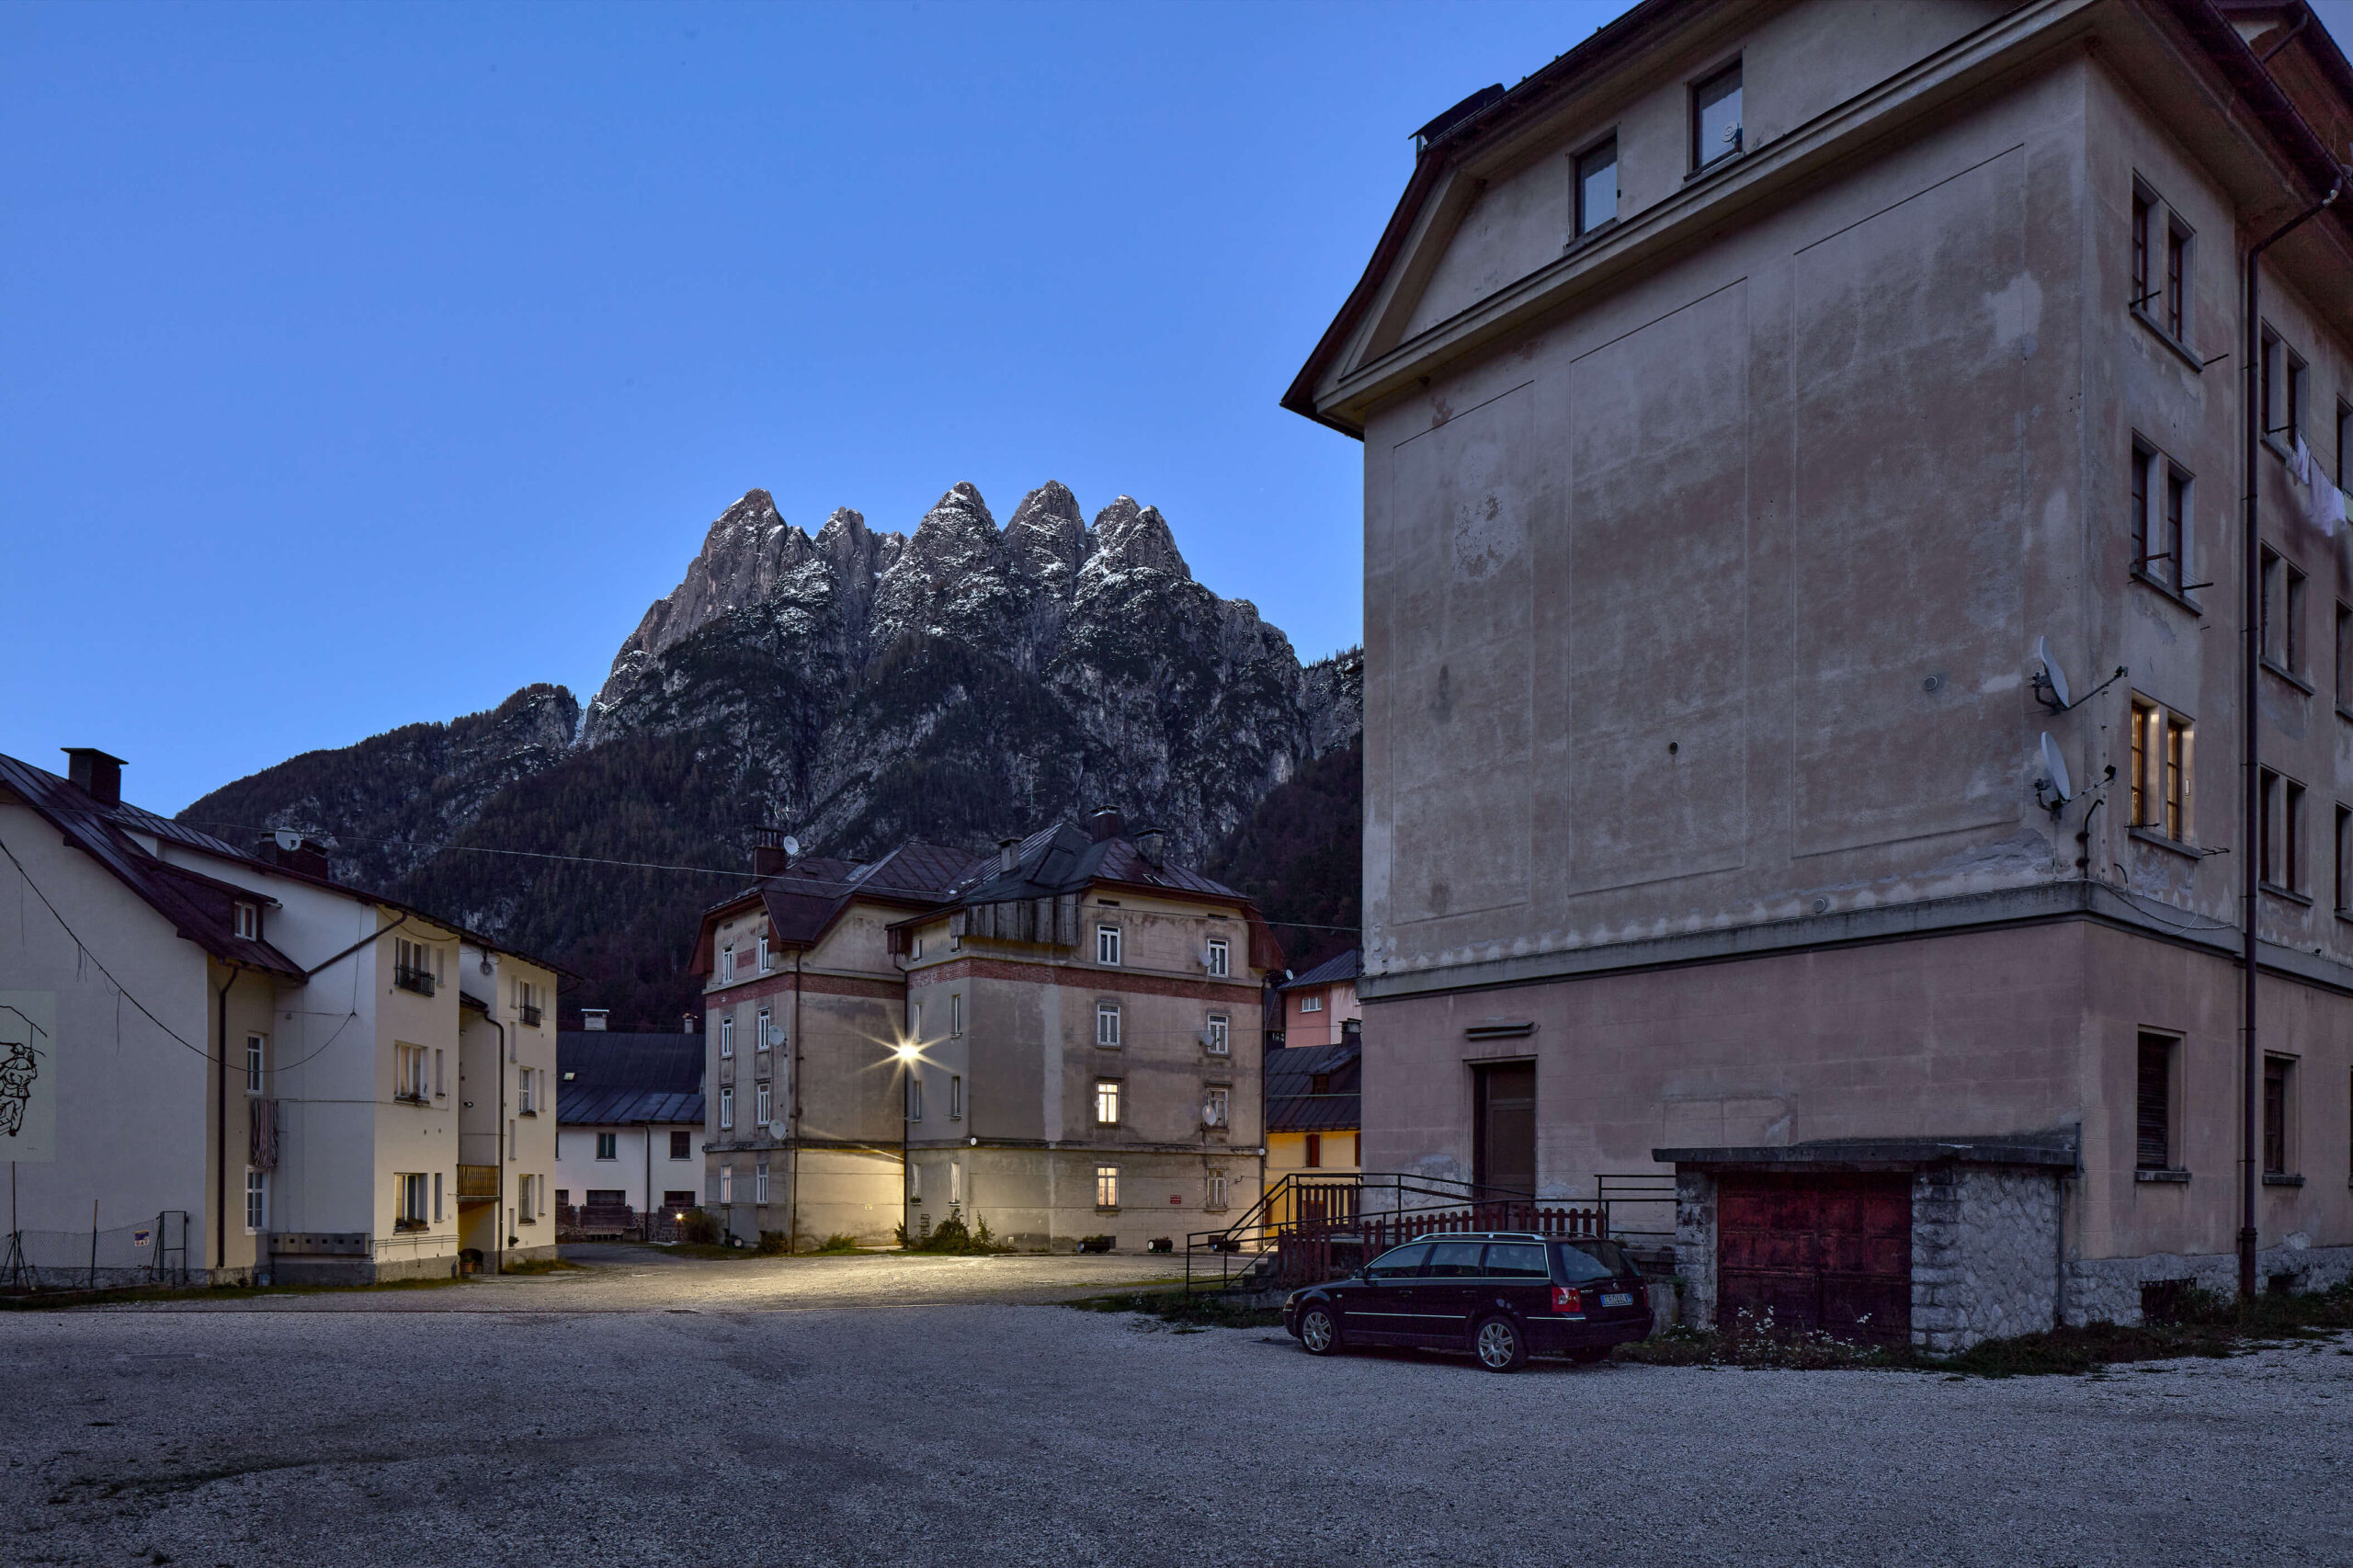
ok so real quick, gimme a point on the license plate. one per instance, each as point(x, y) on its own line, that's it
point(1619, 1298)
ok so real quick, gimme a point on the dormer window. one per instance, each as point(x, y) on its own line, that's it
point(1715, 116)
point(249, 920)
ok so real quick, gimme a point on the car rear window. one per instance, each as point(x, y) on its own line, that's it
point(1517, 1260)
point(1592, 1260)
point(1400, 1262)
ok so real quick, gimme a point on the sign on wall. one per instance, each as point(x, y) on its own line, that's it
point(28, 1076)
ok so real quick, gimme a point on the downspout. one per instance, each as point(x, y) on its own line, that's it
point(792, 1155)
point(221, 1132)
point(2251, 865)
point(498, 1141)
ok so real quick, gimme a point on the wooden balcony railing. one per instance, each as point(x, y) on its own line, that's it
point(477, 1182)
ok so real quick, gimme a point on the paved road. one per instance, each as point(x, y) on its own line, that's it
point(771, 1413)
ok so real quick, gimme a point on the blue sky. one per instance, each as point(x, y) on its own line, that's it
point(364, 364)
point(361, 364)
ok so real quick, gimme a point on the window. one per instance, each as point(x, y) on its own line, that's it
point(2177, 279)
point(955, 1097)
point(1106, 1023)
point(2161, 770)
point(1213, 1190)
point(607, 1145)
point(2175, 774)
point(2154, 1122)
point(1312, 1003)
point(761, 1037)
point(1107, 1187)
point(412, 966)
point(2278, 829)
point(1715, 116)
point(1219, 1035)
point(2143, 211)
point(2276, 1072)
point(2282, 624)
point(526, 1190)
point(1107, 1102)
point(1356, 1148)
point(408, 1197)
point(436, 1197)
point(914, 947)
point(2344, 445)
point(1597, 193)
point(727, 963)
point(408, 1071)
point(441, 1072)
point(2344, 846)
point(1107, 944)
point(2343, 658)
point(682, 1145)
point(2144, 719)
point(527, 1002)
point(513, 1143)
point(256, 1201)
point(1400, 1263)
point(764, 954)
point(955, 1182)
point(249, 920)
point(1216, 1108)
point(726, 1184)
point(759, 1181)
point(915, 1096)
point(255, 1046)
point(955, 1015)
point(1315, 1151)
point(764, 1111)
point(2160, 507)
point(1218, 958)
point(726, 1107)
point(726, 1037)
point(2283, 391)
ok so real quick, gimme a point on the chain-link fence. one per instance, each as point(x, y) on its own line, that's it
point(152, 1251)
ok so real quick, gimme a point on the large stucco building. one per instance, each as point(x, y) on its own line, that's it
point(1061, 1039)
point(1746, 396)
point(240, 1068)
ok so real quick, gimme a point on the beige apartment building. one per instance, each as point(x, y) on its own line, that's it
point(235, 1067)
point(1802, 458)
point(1060, 1040)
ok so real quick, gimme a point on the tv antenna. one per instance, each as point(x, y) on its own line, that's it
point(2050, 681)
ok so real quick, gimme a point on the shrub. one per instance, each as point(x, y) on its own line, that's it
point(699, 1227)
point(841, 1242)
point(952, 1235)
point(773, 1244)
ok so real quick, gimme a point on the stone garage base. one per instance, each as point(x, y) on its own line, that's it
point(1985, 1260)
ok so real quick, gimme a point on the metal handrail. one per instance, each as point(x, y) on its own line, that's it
point(408, 977)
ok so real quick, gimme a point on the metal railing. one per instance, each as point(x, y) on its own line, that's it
point(1307, 1229)
point(408, 977)
point(529, 1013)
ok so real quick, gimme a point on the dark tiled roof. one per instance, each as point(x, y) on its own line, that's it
point(1292, 1105)
point(199, 908)
point(1331, 971)
point(606, 1078)
point(805, 899)
point(1065, 858)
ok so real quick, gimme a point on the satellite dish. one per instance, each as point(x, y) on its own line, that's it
point(286, 839)
point(791, 845)
point(2054, 772)
point(2052, 674)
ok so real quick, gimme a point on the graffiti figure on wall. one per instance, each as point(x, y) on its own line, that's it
point(17, 1075)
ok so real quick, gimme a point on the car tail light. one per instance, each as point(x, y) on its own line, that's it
point(1567, 1298)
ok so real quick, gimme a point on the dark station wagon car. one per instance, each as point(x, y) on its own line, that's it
point(1502, 1295)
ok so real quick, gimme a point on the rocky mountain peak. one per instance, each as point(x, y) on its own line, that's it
point(1128, 538)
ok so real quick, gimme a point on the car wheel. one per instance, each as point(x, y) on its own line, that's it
point(1318, 1332)
point(1589, 1354)
point(1502, 1346)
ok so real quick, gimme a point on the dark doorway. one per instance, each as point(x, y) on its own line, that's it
point(1816, 1251)
point(1503, 1128)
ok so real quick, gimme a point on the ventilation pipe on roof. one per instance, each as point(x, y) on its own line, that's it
point(94, 773)
point(1008, 854)
point(1105, 824)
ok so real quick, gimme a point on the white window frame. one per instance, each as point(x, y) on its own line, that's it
point(955, 1182)
point(524, 1211)
point(759, 1181)
point(765, 1103)
point(760, 1038)
point(1213, 1190)
point(726, 1109)
point(1107, 1187)
point(765, 958)
point(408, 1203)
point(408, 1071)
point(955, 1097)
point(726, 1036)
point(955, 1015)
point(1217, 1106)
point(1312, 1003)
point(256, 1054)
point(256, 1201)
point(1107, 944)
point(1218, 960)
point(249, 920)
point(1108, 1096)
point(914, 947)
point(609, 1145)
point(726, 1182)
point(915, 1096)
point(1221, 1033)
point(1106, 1025)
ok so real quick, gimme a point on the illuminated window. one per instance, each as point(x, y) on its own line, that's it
point(1107, 1102)
point(1107, 1187)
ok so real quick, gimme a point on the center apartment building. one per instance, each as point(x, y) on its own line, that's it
point(1749, 397)
point(1061, 1039)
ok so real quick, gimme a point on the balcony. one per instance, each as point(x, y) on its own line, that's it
point(529, 1013)
point(407, 977)
point(477, 1184)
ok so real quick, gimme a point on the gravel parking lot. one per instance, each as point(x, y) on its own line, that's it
point(802, 1411)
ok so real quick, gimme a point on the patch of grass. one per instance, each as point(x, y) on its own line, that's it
point(1200, 1310)
point(2196, 1324)
point(837, 1245)
point(54, 1300)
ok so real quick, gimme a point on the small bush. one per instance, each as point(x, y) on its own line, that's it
point(774, 1245)
point(951, 1236)
point(699, 1227)
point(1200, 1310)
point(841, 1242)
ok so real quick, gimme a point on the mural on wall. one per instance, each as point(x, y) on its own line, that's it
point(28, 1076)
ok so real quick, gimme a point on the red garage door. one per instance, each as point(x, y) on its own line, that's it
point(1827, 1252)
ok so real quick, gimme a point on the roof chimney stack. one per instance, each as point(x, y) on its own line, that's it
point(771, 852)
point(1008, 854)
point(690, 1024)
point(94, 773)
point(1105, 824)
point(1152, 843)
point(594, 1018)
point(294, 851)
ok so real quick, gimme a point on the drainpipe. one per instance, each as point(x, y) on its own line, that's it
point(2251, 868)
point(792, 1155)
point(498, 1145)
point(221, 1132)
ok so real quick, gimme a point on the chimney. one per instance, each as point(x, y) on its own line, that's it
point(94, 773)
point(594, 1018)
point(1008, 854)
point(771, 852)
point(1152, 843)
point(294, 851)
point(1105, 824)
point(690, 1024)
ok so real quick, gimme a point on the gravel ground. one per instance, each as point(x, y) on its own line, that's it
point(789, 1411)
